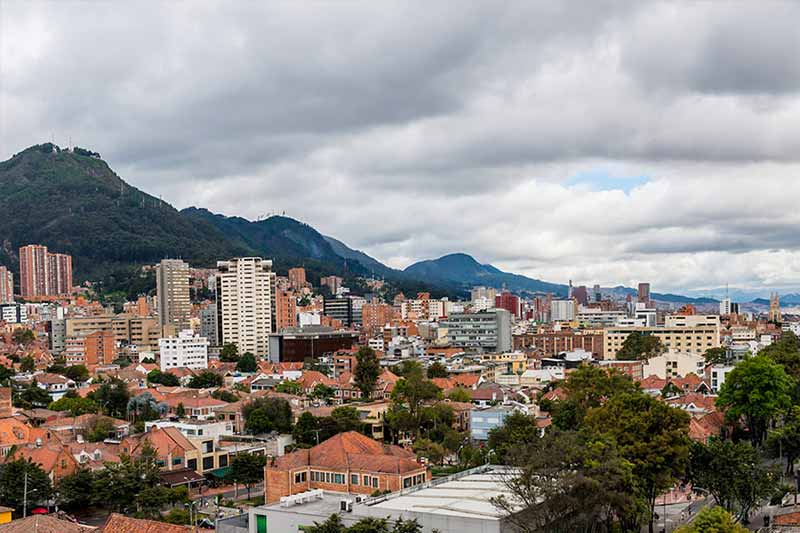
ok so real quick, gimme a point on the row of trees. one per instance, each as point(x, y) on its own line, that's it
point(334, 524)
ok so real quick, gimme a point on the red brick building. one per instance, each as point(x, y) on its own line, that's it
point(509, 302)
point(44, 275)
point(551, 343)
point(285, 310)
point(348, 463)
point(374, 317)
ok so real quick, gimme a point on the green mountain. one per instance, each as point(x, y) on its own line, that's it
point(464, 270)
point(74, 203)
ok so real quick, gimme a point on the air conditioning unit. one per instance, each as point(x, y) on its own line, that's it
point(346, 506)
point(359, 499)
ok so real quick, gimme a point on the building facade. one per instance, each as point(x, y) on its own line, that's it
point(6, 286)
point(43, 274)
point(187, 350)
point(172, 288)
point(487, 331)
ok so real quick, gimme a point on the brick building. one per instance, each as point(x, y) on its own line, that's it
point(348, 463)
point(551, 343)
point(42, 274)
point(374, 317)
point(91, 350)
point(285, 310)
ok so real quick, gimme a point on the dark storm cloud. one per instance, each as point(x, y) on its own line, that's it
point(412, 130)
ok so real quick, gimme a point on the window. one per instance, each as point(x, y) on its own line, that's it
point(177, 460)
point(223, 460)
point(192, 463)
point(208, 463)
point(354, 479)
point(366, 481)
point(338, 479)
point(375, 482)
point(300, 477)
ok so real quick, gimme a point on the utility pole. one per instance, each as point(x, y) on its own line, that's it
point(25, 497)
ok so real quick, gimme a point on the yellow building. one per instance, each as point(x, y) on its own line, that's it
point(508, 363)
point(5, 514)
point(691, 339)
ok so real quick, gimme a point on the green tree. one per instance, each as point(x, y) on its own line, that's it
point(733, 473)
point(306, 429)
point(434, 451)
point(77, 373)
point(99, 429)
point(289, 387)
point(225, 395)
point(23, 336)
point(27, 364)
point(347, 418)
point(266, 414)
point(517, 430)
point(6, 374)
point(118, 485)
point(333, 524)
point(247, 469)
point(229, 353)
point(367, 370)
point(75, 491)
point(113, 396)
point(437, 370)
point(247, 363)
point(180, 411)
point(756, 391)
point(156, 377)
point(459, 394)
point(206, 380)
point(712, 520)
point(650, 435)
point(12, 475)
point(31, 396)
point(145, 407)
point(565, 482)
point(76, 406)
point(413, 391)
point(638, 345)
point(150, 501)
point(784, 441)
point(177, 516)
point(323, 392)
point(716, 356)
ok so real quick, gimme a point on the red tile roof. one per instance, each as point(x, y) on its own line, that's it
point(118, 523)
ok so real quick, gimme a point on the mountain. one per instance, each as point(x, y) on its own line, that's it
point(372, 265)
point(464, 270)
point(74, 203)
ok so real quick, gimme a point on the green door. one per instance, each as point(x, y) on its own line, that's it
point(261, 523)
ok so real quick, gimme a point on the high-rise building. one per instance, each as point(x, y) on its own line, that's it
point(6, 286)
point(774, 307)
point(339, 309)
point(728, 307)
point(487, 331)
point(285, 310)
point(208, 324)
point(509, 302)
point(332, 282)
point(187, 350)
point(43, 274)
point(643, 294)
point(245, 304)
point(172, 288)
point(374, 316)
point(598, 295)
point(297, 278)
point(91, 350)
point(581, 295)
point(562, 310)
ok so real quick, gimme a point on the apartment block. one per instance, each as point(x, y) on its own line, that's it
point(43, 274)
point(696, 337)
point(187, 350)
point(6, 286)
point(245, 304)
point(172, 288)
point(487, 331)
point(285, 310)
point(91, 350)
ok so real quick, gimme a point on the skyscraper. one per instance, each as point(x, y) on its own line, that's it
point(245, 304)
point(643, 294)
point(6, 286)
point(172, 288)
point(43, 274)
point(297, 278)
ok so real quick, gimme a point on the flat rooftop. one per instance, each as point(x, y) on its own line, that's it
point(467, 496)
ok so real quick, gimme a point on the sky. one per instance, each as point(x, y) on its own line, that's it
point(603, 142)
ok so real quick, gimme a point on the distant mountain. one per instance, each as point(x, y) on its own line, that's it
point(372, 265)
point(464, 270)
point(74, 203)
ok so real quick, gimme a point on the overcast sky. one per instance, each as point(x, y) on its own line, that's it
point(607, 142)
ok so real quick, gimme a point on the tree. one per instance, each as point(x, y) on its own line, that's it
point(206, 380)
point(716, 356)
point(113, 397)
point(756, 391)
point(733, 474)
point(713, 520)
point(289, 387)
point(784, 441)
point(323, 392)
point(367, 370)
point(649, 434)
point(27, 364)
point(247, 469)
point(413, 390)
point(266, 414)
point(638, 345)
point(333, 524)
point(437, 370)
point(434, 451)
point(225, 395)
point(12, 486)
point(6, 374)
point(587, 387)
point(459, 394)
point(517, 430)
point(435, 420)
point(118, 485)
point(566, 482)
point(75, 491)
point(145, 407)
point(151, 500)
point(77, 373)
point(177, 516)
point(180, 411)
point(306, 430)
point(156, 376)
point(76, 406)
point(247, 363)
point(23, 336)
point(229, 353)
point(347, 418)
point(99, 429)
point(31, 396)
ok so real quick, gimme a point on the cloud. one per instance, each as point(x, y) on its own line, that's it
point(606, 142)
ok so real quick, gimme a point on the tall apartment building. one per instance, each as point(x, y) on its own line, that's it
point(332, 282)
point(509, 302)
point(13, 313)
point(6, 286)
point(285, 310)
point(208, 324)
point(172, 288)
point(487, 331)
point(297, 278)
point(43, 274)
point(91, 350)
point(562, 310)
point(245, 304)
point(374, 316)
point(186, 350)
point(643, 293)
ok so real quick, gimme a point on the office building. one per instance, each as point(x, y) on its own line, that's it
point(186, 350)
point(208, 324)
point(172, 289)
point(245, 304)
point(13, 313)
point(487, 331)
point(58, 333)
point(295, 345)
point(562, 310)
point(693, 334)
point(44, 275)
point(6, 286)
point(728, 307)
point(340, 309)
